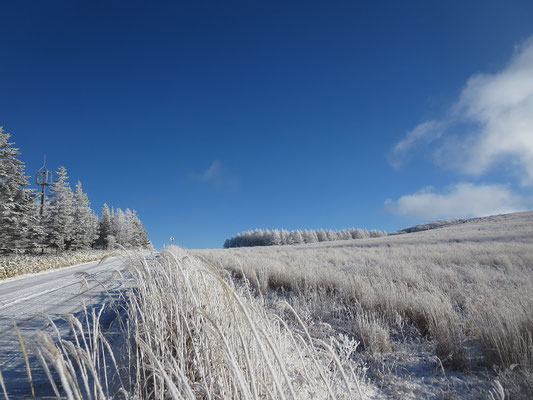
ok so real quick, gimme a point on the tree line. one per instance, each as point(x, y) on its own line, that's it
point(267, 237)
point(67, 221)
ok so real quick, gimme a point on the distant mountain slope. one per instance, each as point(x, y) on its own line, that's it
point(457, 221)
point(430, 225)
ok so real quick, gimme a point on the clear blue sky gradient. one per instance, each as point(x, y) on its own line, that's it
point(293, 104)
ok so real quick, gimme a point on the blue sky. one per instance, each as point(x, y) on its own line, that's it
point(210, 118)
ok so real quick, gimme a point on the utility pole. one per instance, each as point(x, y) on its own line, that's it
point(43, 178)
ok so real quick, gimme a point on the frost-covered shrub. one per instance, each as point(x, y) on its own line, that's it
point(372, 332)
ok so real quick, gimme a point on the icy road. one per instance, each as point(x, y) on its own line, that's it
point(25, 301)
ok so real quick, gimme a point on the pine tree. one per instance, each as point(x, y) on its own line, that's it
point(284, 236)
point(309, 236)
point(130, 229)
point(59, 222)
point(276, 237)
point(85, 222)
point(322, 236)
point(344, 234)
point(30, 233)
point(295, 237)
point(104, 227)
point(332, 235)
point(19, 223)
point(119, 228)
point(139, 238)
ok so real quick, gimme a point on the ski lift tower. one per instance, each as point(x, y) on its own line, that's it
point(43, 178)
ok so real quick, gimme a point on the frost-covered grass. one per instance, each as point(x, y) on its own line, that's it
point(190, 332)
point(466, 290)
point(14, 265)
point(443, 314)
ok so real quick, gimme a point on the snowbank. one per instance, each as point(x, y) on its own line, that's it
point(13, 265)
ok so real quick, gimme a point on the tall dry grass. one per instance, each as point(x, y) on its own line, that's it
point(463, 287)
point(189, 332)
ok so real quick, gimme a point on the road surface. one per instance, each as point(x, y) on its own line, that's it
point(24, 300)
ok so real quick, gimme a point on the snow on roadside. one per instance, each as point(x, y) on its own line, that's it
point(12, 266)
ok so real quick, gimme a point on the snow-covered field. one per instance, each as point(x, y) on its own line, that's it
point(443, 313)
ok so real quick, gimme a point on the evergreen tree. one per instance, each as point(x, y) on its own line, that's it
point(310, 236)
point(30, 233)
point(284, 236)
point(344, 234)
point(139, 238)
point(295, 237)
point(19, 223)
point(276, 237)
point(59, 222)
point(85, 222)
point(322, 236)
point(260, 237)
point(104, 227)
point(126, 229)
point(119, 227)
point(332, 235)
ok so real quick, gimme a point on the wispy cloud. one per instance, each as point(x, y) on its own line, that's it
point(459, 200)
point(216, 174)
point(426, 132)
point(490, 124)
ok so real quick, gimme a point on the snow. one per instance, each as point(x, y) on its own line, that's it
point(49, 271)
point(24, 300)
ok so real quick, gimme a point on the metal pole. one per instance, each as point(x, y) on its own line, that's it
point(42, 199)
point(43, 181)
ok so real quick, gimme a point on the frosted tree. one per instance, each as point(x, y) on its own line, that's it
point(85, 222)
point(59, 221)
point(322, 236)
point(139, 235)
point(276, 237)
point(104, 227)
point(332, 235)
point(344, 234)
point(30, 233)
point(260, 237)
point(310, 236)
point(295, 237)
point(120, 228)
point(284, 235)
point(375, 233)
point(19, 223)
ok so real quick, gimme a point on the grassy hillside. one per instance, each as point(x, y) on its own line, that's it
point(440, 312)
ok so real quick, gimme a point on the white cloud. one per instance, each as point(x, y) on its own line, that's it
point(490, 124)
point(460, 200)
point(425, 132)
point(215, 174)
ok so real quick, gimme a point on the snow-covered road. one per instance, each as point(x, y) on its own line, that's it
point(26, 299)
